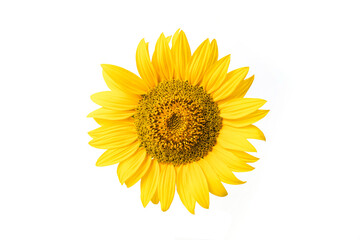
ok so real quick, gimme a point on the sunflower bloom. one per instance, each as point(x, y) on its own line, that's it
point(184, 122)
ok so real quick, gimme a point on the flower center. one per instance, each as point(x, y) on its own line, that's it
point(177, 123)
point(174, 122)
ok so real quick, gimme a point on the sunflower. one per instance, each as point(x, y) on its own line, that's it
point(184, 122)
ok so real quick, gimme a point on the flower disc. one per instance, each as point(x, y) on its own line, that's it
point(177, 122)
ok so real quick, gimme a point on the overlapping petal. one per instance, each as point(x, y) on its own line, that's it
point(242, 88)
point(231, 160)
point(166, 187)
point(113, 101)
point(181, 55)
point(117, 155)
point(213, 181)
point(114, 138)
point(247, 120)
point(149, 183)
point(162, 59)
point(155, 199)
point(110, 114)
point(240, 107)
point(182, 186)
point(215, 76)
point(176, 35)
point(198, 185)
point(249, 131)
point(233, 81)
point(214, 52)
point(145, 66)
point(106, 122)
point(230, 140)
point(199, 63)
point(220, 168)
point(120, 79)
point(245, 157)
point(128, 168)
point(143, 168)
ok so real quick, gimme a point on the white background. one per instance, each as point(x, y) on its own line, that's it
point(305, 55)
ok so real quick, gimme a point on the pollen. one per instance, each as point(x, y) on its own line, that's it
point(177, 123)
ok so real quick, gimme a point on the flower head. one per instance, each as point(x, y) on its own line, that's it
point(184, 122)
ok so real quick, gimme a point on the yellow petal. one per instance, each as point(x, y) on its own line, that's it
point(232, 82)
point(115, 126)
point(222, 170)
point(124, 80)
point(155, 198)
point(230, 140)
point(181, 55)
point(183, 189)
point(112, 84)
point(249, 131)
point(162, 59)
point(105, 122)
point(247, 120)
point(168, 39)
point(214, 52)
point(231, 160)
point(214, 183)
point(198, 63)
point(117, 155)
point(112, 130)
point(245, 157)
point(109, 114)
point(149, 182)
point(240, 107)
point(243, 87)
point(198, 185)
point(114, 139)
point(176, 35)
point(216, 74)
point(139, 172)
point(127, 168)
point(144, 65)
point(166, 185)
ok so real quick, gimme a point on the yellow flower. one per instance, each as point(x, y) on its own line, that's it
point(183, 122)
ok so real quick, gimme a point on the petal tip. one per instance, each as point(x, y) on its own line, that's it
point(104, 66)
point(91, 143)
point(100, 164)
point(164, 209)
point(144, 201)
